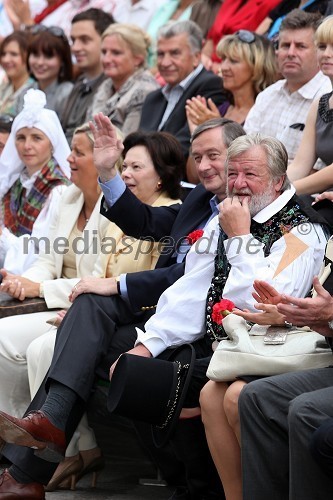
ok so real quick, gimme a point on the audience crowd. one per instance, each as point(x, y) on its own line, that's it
point(139, 142)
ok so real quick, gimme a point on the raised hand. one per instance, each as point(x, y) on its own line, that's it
point(265, 293)
point(107, 147)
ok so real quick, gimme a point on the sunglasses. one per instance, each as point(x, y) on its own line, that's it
point(54, 30)
point(245, 36)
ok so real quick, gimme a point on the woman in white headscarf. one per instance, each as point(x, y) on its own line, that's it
point(33, 174)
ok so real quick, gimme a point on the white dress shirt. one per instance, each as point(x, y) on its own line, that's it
point(180, 313)
point(276, 109)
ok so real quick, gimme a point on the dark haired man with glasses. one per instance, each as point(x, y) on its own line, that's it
point(281, 109)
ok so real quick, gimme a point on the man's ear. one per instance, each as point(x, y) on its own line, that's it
point(196, 59)
point(279, 183)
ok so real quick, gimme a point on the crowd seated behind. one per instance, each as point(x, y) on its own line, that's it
point(51, 13)
point(33, 174)
point(233, 16)
point(271, 24)
point(14, 61)
point(316, 140)
point(281, 109)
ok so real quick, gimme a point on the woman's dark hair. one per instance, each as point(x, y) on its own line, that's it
point(51, 45)
point(166, 154)
point(22, 40)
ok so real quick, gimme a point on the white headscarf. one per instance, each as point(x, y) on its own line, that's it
point(35, 115)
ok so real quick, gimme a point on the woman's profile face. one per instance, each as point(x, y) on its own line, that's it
point(81, 162)
point(117, 58)
point(12, 61)
point(139, 174)
point(45, 68)
point(236, 73)
point(325, 58)
point(33, 147)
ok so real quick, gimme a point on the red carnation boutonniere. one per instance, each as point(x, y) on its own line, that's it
point(221, 310)
point(194, 236)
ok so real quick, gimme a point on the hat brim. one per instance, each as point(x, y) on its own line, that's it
point(185, 355)
point(152, 390)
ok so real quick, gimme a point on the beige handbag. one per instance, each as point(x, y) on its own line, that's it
point(246, 353)
point(253, 350)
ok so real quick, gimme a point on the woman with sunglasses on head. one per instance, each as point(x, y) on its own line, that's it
point(50, 63)
point(33, 174)
point(247, 68)
point(13, 59)
point(316, 140)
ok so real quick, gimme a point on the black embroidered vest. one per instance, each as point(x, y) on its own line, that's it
point(292, 214)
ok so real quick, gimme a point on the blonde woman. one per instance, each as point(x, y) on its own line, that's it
point(121, 96)
point(247, 68)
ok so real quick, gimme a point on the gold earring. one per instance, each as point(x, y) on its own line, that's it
point(159, 185)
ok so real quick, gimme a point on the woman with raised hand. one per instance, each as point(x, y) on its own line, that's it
point(121, 96)
point(13, 59)
point(33, 174)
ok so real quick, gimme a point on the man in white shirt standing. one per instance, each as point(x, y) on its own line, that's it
point(281, 109)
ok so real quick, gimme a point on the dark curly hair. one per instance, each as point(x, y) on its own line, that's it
point(167, 157)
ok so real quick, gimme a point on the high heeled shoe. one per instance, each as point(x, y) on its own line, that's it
point(94, 467)
point(66, 474)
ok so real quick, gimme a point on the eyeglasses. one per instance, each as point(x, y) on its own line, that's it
point(54, 30)
point(245, 36)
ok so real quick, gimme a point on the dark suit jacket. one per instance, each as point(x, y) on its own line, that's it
point(176, 221)
point(205, 84)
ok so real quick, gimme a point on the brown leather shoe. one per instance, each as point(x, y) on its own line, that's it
point(34, 431)
point(12, 490)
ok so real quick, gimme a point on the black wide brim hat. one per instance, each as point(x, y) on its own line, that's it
point(152, 390)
